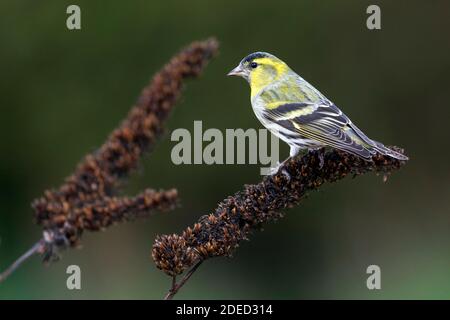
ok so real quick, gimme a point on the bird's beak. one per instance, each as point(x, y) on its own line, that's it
point(238, 71)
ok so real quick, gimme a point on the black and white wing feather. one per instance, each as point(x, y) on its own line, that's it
point(326, 125)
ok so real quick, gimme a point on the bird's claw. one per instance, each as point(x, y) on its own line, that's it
point(286, 174)
point(321, 160)
point(320, 155)
point(273, 171)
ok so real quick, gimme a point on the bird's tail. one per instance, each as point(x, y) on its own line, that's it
point(380, 148)
point(375, 146)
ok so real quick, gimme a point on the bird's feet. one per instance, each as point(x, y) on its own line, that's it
point(320, 155)
point(286, 174)
point(321, 159)
point(273, 171)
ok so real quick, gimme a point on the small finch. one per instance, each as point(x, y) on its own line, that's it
point(297, 113)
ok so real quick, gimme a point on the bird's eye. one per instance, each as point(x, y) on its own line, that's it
point(253, 65)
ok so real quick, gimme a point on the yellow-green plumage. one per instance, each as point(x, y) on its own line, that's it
point(298, 113)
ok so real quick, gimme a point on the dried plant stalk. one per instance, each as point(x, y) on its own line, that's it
point(64, 213)
point(86, 199)
point(101, 213)
point(219, 233)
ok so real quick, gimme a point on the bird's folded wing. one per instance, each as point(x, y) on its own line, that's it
point(323, 123)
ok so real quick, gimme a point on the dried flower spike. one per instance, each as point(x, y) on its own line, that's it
point(83, 201)
point(86, 200)
point(219, 233)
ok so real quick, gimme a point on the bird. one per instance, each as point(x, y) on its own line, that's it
point(299, 114)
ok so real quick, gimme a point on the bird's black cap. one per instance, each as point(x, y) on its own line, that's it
point(255, 55)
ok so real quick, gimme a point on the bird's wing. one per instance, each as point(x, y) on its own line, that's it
point(323, 123)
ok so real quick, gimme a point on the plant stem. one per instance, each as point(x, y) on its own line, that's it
point(38, 247)
point(177, 286)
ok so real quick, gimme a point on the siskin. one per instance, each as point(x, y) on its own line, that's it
point(297, 113)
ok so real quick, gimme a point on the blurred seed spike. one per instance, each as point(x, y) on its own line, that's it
point(102, 213)
point(219, 233)
point(86, 199)
point(100, 173)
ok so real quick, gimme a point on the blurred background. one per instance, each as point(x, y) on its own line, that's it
point(62, 92)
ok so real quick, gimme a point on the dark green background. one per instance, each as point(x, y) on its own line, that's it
point(62, 92)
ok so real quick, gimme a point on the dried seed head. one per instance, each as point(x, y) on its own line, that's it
point(85, 200)
point(220, 232)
